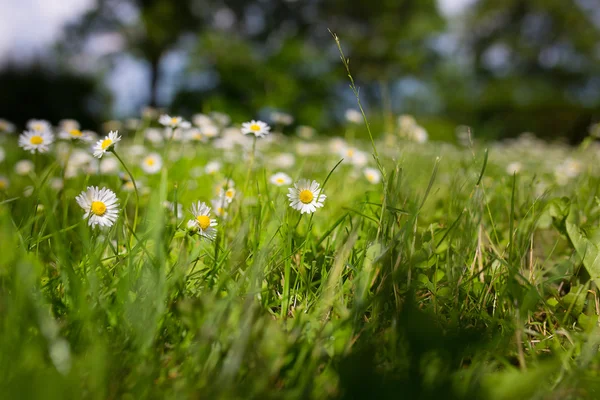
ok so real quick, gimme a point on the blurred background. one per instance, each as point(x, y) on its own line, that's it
point(502, 67)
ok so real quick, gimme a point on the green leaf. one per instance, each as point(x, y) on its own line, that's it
point(585, 245)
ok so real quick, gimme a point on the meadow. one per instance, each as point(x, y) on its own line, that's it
point(409, 268)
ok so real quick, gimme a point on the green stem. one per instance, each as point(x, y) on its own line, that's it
point(137, 195)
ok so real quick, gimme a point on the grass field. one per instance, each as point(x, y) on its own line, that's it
point(453, 277)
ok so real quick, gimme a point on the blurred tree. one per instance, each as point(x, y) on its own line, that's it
point(282, 55)
point(36, 92)
point(535, 65)
point(148, 28)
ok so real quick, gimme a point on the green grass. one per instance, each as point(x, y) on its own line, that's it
point(452, 279)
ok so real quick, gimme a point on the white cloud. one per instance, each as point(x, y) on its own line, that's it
point(28, 27)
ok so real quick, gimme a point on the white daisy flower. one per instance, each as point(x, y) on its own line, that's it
point(514, 168)
point(220, 118)
point(212, 167)
point(373, 175)
point(154, 135)
point(39, 125)
point(33, 141)
point(227, 194)
point(68, 124)
point(257, 128)
point(210, 130)
point(101, 206)
point(202, 222)
point(306, 196)
point(353, 116)
point(128, 186)
point(75, 134)
point(195, 135)
point(24, 167)
point(173, 122)
point(109, 166)
point(106, 144)
point(57, 184)
point(354, 156)
point(200, 120)
point(280, 179)
point(152, 163)
point(220, 205)
point(6, 126)
point(4, 183)
point(223, 186)
point(284, 160)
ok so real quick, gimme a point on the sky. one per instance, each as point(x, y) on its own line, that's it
point(29, 27)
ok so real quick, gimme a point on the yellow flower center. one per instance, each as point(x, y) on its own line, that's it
point(106, 143)
point(229, 193)
point(3, 184)
point(38, 127)
point(279, 180)
point(220, 211)
point(255, 127)
point(75, 133)
point(98, 208)
point(174, 120)
point(203, 221)
point(150, 161)
point(306, 196)
point(35, 140)
point(350, 152)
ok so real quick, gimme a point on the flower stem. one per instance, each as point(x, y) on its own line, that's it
point(137, 195)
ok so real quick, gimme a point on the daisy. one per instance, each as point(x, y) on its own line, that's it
point(196, 135)
point(220, 118)
point(38, 125)
point(306, 196)
point(210, 130)
point(353, 116)
point(227, 194)
point(257, 128)
point(154, 135)
point(373, 175)
point(200, 120)
point(284, 160)
point(280, 179)
point(212, 167)
point(224, 185)
point(220, 205)
point(4, 183)
point(514, 168)
point(24, 167)
point(173, 122)
point(6, 126)
point(202, 222)
point(100, 206)
point(109, 166)
point(106, 144)
point(68, 124)
point(152, 163)
point(75, 134)
point(354, 156)
point(33, 141)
